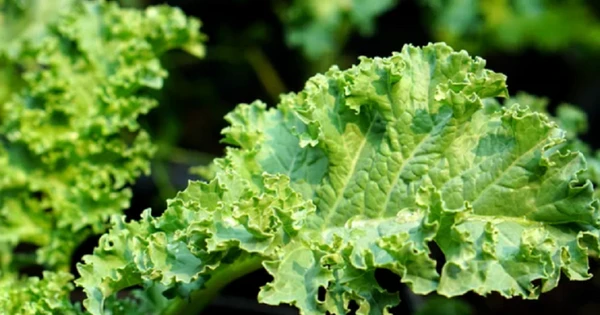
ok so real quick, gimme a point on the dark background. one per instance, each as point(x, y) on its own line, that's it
point(246, 40)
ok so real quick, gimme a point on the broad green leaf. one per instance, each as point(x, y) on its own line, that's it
point(365, 169)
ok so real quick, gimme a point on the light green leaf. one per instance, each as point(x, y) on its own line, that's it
point(198, 236)
point(362, 170)
point(574, 121)
point(35, 296)
point(70, 140)
point(28, 20)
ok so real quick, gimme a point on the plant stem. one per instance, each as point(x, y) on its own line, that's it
point(189, 157)
point(266, 72)
point(219, 279)
point(160, 175)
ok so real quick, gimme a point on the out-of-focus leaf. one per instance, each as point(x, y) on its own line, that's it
point(35, 296)
point(316, 26)
point(73, 86)
point(514, 24)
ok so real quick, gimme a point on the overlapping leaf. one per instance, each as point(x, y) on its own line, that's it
point(73, 85)
point(365, 169)
point(572, 120)
point(35, 296)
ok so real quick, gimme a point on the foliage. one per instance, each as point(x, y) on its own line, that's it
point(573, 121)
point(38, 296)
point(514, 24)
point(320, 27)
point(362, 170)
point(75, 76)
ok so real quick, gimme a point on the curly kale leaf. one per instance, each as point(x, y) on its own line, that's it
point(363, 170)
point(72, 88)
point(35, 296)
point(573, 121)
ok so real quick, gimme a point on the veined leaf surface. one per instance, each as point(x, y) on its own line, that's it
point(363, 170)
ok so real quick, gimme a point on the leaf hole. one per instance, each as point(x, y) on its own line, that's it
point(352, 307)
point(25, 247)
point(24, 259)
point(129, 292)
point(85, 248)
point(321, 294)
point(388, 280)
point(435, 253)
point(32, 271)
point(37, 195)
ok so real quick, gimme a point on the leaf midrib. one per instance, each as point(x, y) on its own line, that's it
point(335, 205)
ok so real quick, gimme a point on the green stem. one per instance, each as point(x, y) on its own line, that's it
point(160, 175)
point(266, 72)
point(218, 280)
point(182, 156)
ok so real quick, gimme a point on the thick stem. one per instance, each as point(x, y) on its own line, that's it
point(219, 279)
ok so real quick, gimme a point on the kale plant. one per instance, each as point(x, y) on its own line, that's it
point(364, 169)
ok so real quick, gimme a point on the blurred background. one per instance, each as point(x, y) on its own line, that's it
point(258, 49)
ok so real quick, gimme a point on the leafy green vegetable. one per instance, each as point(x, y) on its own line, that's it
point(514, 24)
point(73, 86)
point(47, 296)
point(319, 27)
point(363, 170)
point(571, 119)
